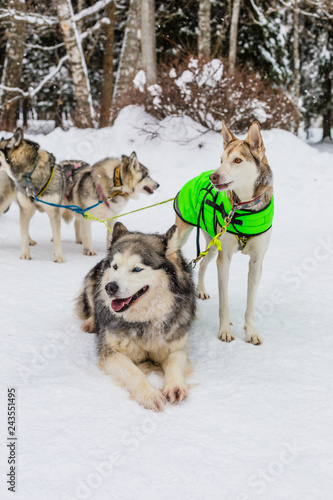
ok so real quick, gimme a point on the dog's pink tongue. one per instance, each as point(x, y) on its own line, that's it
point(118, 304)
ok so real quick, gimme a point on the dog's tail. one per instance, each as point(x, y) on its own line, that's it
point(67, 215)
point(84, 310)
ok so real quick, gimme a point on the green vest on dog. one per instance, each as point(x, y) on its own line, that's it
point(198, 203)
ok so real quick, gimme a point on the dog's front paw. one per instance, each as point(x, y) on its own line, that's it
point(32, 242)
point(59, 258)
point(152, 399)
point(226, 336)
point(86, 251)
point(253, 338)
point(89, 325)
point(25, 256)
point(175, 393)
point(203, 295)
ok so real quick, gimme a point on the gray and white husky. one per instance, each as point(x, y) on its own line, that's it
point(140, 300)
point(113, 181)
point(35, 173)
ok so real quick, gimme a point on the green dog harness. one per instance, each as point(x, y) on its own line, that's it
point(198, 203)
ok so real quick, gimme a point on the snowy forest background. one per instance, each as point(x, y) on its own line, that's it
point(79, 62)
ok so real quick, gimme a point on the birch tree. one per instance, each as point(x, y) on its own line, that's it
point(84, 112)
point(130, 51)
point(204, 34)
point(12, 69)
point(148, 40)
point(233, 35)
point(106, 97)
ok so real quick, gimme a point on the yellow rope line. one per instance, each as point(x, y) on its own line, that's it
point(88, 216)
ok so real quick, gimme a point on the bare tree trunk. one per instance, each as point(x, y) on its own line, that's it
point(327, 87)
point(233, 35)
point(12, 70)
point(296, 59)
point(204, 35)
point(130, 51)
point(84, 109)
point(148, 40)
point(106, 98)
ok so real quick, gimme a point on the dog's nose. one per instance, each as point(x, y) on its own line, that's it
point(111, 288)
point(157, 185)
point(214, 178)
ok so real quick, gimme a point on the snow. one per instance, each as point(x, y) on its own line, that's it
point(257, 423)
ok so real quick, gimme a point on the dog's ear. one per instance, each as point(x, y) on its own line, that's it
point(118, 230)
point(227, 136)
point(133, 162)
point(16, 140)
point(172, 242)
point(254, 140)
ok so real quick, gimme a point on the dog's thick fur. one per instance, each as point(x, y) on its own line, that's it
point(23, 155)
point(245, 174)
point(82, 190)
point(7, 189)
point(140, 300)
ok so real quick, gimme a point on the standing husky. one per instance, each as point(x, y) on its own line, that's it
point(34, 173)
point(140, 300)
point(111, 181)
point(243, 187)
point(7, 188)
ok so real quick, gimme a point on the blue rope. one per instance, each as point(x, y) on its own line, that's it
point(73, 208)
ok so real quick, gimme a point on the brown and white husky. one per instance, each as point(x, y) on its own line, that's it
point(113, 181)
point(245, 176)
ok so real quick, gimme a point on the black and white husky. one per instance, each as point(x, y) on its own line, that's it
point(140, 300)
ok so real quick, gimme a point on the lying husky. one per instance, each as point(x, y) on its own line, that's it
point(34, 173)
point(140, 300)
point(113, 182)
point(243, 187)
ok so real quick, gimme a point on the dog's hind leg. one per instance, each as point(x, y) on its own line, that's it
point(55, 221)
point(77, 228)
point(256, 248)
point(126, 373)
point(86, 237)
point(201, 292)
point(175, 366)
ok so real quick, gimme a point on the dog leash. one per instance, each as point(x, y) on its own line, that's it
point(88, 216)
point(215, 241)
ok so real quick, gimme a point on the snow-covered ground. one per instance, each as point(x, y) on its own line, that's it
point(258, 420)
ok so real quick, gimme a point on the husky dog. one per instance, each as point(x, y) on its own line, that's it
point(242, 187)
point(140, 300)
point(34, 173)
point(7, 188)
point(113, 182)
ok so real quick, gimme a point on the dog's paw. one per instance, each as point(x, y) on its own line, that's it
point(25, 256)
point(252, 337)
point(226, 336)
point(59, 258)
point(175, 393)
point(89, 325)
point(152, 399)
point(203, 295)
point(32, 243)
point(86, 251)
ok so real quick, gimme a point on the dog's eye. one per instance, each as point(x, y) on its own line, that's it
point(136, 270)
point(115, 267)
point(238, 160)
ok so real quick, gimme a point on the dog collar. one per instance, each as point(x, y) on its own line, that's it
point(117, 177)
point(246, 205)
